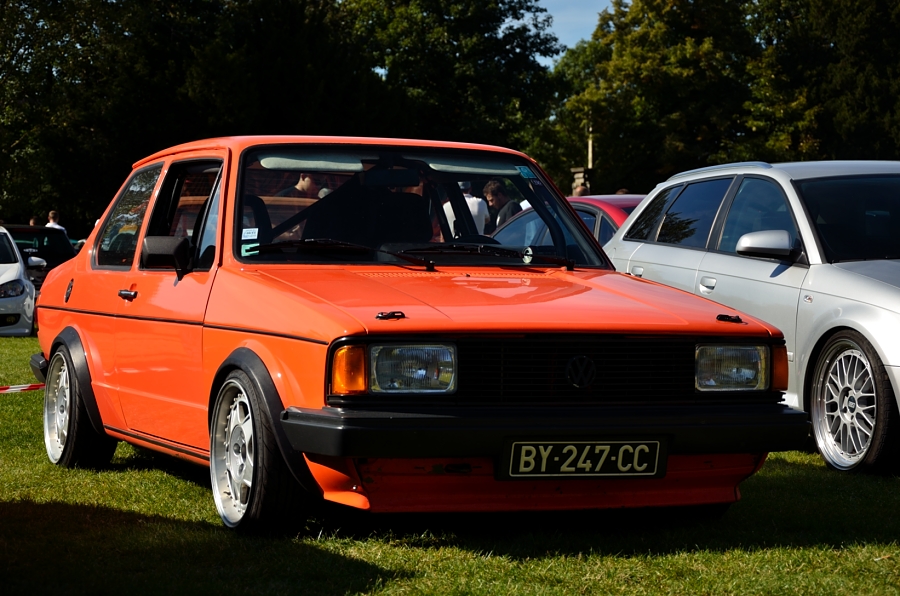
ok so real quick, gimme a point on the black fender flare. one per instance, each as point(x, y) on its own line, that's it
point(69, 337)
point(248, 361)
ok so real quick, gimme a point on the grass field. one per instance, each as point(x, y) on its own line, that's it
point(148, 525)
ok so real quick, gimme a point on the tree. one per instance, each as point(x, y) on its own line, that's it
point(468, 67)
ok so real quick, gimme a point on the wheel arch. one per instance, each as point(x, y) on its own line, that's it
point(70, 338)
point(253, 366)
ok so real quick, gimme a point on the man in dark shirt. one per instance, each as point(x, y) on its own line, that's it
point(501, 206)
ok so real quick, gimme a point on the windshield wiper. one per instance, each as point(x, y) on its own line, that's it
point(490, 250)
point(328, 244)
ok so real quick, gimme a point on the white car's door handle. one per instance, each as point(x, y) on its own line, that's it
point(707, 284)
point(637, 271)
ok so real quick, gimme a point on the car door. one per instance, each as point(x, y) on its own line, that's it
point(99, 301)
point(768, 289)
point(159, 331)
point(676, 228)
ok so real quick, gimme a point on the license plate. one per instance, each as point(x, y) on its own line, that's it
point(528, 459)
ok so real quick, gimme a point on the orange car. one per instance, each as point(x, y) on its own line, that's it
point(295, 313)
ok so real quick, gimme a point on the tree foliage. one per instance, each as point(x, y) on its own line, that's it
point(87, 87)
point(668, 85)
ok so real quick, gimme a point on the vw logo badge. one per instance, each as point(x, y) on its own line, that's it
point(581, 372)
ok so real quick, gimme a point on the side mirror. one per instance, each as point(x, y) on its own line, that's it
point(35, 263)
point(771, 244)
point(165, 252)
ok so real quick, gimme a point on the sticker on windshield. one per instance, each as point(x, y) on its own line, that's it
point(249, 233)
point(248, 250)
point(526, 172)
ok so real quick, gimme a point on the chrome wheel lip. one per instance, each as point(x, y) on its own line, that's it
point(232, 453)
point(57, 407)
point(844, 409)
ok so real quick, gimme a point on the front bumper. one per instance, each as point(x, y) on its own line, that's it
point(477, 432)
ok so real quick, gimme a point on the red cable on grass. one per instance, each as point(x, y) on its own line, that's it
point(18, 388)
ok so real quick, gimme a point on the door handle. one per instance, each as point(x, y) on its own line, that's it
point(127, 294)
point(637, 271)
point(707, 284)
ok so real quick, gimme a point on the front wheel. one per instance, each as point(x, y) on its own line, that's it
point(853, 408)
point(252, 486)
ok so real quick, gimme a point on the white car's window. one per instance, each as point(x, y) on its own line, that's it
point(689, 220)
point(759, 205)
point(7, 252)
point(118, 240)
point(647, 223)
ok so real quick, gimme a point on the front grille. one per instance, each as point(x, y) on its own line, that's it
point(533, 370)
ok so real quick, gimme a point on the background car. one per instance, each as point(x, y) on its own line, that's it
point(347, 346)
point(602, 214)
point(48, 244)
point(813, 248)
point(16, 291)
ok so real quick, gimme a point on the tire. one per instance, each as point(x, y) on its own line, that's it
point(252, 485)
point(853, 410)
point(69, 436)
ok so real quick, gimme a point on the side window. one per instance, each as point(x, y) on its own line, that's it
point(690, 218)
point(185, 198)
point(607, 230)
point(118, 240)
point(206, 250)
point(589, 219)
point(644, 228)
point(759, 205)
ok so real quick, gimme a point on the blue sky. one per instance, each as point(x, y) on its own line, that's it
point(573, 20)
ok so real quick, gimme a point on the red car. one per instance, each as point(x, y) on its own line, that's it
point(602, 214)
point(297, 314)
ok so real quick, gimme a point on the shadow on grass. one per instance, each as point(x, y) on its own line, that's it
point(788, 505)
point(60, 548)
point(131, 457)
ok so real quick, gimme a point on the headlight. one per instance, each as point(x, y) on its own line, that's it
point(412, 369)
point(12, 288)
point(731, 368)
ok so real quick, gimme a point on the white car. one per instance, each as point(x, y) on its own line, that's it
point(814, 249)
point(16, 292)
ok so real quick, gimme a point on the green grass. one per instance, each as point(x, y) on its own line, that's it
point(148, 525)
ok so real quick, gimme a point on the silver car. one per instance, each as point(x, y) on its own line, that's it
point(813, 248)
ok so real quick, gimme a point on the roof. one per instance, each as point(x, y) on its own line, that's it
point(240, 143)
point(801, 169)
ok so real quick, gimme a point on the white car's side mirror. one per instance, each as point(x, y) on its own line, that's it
point(767, 243)
point(36, 263)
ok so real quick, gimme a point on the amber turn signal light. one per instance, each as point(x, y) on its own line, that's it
point(779, 368)
point(348, 370)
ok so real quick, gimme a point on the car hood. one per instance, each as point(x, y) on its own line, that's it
point(510, 301)
point(887, 272)
point(9, 272)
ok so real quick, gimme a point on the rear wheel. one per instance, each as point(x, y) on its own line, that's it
point(252, 486)
point(853, 408)
point(69, 437)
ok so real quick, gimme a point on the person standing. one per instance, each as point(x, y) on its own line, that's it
point(500, 203)
point(477, 207)
point(53, 221)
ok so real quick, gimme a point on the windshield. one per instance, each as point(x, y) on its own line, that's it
point(856, 217)
point(7, 254)
point(409, 206)
point(47, 243)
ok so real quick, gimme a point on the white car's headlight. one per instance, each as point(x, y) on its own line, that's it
point(12, 288)
point(412, 369)
point(732, 368)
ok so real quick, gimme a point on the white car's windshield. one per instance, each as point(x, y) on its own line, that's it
point(364, 204)
point(856, 217)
